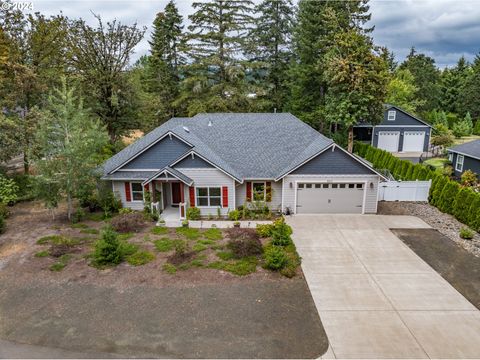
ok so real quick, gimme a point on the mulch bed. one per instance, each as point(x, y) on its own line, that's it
point(456, 265)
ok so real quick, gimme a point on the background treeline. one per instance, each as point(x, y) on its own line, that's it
point(449, 196)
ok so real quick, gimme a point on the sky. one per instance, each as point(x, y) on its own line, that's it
point(442, 29)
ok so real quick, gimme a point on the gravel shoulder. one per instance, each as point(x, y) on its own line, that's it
point(446, 224)
point(456, 265)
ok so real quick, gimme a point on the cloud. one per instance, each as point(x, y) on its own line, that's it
point(443, 29)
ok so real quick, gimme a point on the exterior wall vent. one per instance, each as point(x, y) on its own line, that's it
point(186, 129)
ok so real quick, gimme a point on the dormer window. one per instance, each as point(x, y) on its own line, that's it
point(391, 115)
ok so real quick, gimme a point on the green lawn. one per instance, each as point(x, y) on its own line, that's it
point(465, 139)
point(436, 162)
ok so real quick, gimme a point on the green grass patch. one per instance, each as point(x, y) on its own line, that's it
point(43, 253)
point(213, 234)
point(61, 263)
point(217, 247)
point(199, 247)
point(90, 231)
point(164, 244)
point(169, 268)
point(125, 237)
point(159, 230)
point(436, 162)
point(465, 139)
point(240, 267)
point(140, 258)
point(205, 242)
point(57, 240)
point(128, 249)
point(96, 216)
point(189, 233)
point(79, 226)
point(225, 255)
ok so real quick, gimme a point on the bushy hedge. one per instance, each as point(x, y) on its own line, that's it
point(447, 195)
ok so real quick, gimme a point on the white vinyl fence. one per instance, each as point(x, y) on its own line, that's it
point(404, 190)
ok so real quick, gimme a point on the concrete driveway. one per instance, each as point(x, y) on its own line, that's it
point(376, 298)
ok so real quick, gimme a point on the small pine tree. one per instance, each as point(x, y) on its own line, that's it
point(437, 190)
point(408, 175)
point(447, 196)
point(476, 129)
point(423, 173)
point(474, 213)
point(416, 172)
point(405, 166)
point(461, 204)
point(468, 120)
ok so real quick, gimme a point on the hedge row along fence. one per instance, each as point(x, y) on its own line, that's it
point(447, 195)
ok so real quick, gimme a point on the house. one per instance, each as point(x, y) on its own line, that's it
point(398, 132)
point(218, 162)
point(465, 157)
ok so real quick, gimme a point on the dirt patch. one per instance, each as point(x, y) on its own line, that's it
point(456, 265)
point(444, 223)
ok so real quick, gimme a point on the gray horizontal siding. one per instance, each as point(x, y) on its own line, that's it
point(289, 188)
point(335, 162)
point(159, 155)
point(193, 163)
point(468, 164)
point(400, 119)
point(119, 191)
point(402, 130)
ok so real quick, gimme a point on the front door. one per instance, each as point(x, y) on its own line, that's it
point(176, 194)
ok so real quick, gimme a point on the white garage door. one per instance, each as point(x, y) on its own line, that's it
point(388, 140)
point(413, 140)
point(330, 198)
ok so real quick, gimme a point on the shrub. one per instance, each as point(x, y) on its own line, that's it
point(4, 212)
point(469, 178)
point(243, 247)
point(466, 233)
point(461, 128)
point(108, 250)
point(108, 202)
point(193, 213)
point(275, 258)
point(3, 225)
point(125, 211)
point(461, 204)
point(234, 215)
point(447, 197)
point(264, 230)
point(437, 190)
point(281, 234)
point(128, 222)
point(140, 258)
point(78, 215)
point(474, 213)
point(241, 233)
point(8, 190)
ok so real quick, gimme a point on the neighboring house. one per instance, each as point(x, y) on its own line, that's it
point(398, 132)
point(465, 157)
point(217, 162)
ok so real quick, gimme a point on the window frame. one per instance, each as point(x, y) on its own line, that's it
point(393, 113)
point(208, 196)
point(264, 183)
point(450, 157)
point(132, 192)
point(457, 163)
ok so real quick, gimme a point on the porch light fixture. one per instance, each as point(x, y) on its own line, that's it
point(291, 185)
point(371, 185)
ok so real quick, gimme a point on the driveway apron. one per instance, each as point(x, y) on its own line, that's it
point(376, 297)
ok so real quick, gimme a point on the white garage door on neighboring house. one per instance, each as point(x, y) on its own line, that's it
point(330, 198)
point(413, 140)
point(388, 140)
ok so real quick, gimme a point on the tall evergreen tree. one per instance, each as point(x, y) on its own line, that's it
point(215, 81)
point(161, 77)
point(470, 93)
point(427, 79)
point(270, 46)
point(317, 24)
point(451, 84)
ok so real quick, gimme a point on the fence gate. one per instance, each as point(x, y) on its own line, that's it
point(404, 190)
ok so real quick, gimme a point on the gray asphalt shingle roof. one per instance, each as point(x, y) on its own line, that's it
point(245, 145)
point(471, 148)
point(129, 175)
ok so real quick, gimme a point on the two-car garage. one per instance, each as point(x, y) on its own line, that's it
point(413, 141)
point(330, 198)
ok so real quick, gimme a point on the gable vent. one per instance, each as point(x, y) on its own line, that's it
point(186, 129)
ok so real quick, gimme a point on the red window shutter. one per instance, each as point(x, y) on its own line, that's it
point(249, 191)
point(192, 196)
point(128, 194)
point(268, 191)
point(182, 195)
point(146, 187)
point(225, 196)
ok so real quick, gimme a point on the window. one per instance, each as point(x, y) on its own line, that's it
point(351, 186)
point(391, 115)
point(317, 186)
point(459, 164)
point(334, 186)
point(209, 196)
point(342, 186)
point(325, 186)
point(359, 186)
point(309, 186)
point(259, 191)
point(300, 186)
point(137, 191)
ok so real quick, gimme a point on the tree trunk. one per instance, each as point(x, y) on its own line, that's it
point(350, 139)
